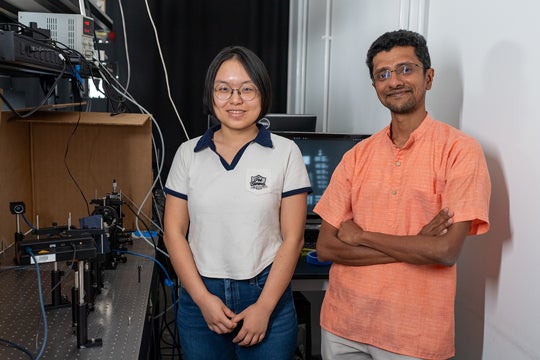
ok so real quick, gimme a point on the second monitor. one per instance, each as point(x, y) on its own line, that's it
point(283, 122)
point(322, 152)
point(290, 122)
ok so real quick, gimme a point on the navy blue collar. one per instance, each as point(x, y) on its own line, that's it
point(262, 138)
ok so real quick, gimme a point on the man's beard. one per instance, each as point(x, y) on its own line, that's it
point(406, 108)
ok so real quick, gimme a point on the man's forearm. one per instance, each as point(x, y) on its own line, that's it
point(329, 248)
point(351, 245)
point(419, 249)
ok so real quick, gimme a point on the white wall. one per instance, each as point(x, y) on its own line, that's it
point(327, 72)
point(486, 54)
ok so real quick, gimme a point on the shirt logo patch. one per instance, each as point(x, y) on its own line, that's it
point(258, 182)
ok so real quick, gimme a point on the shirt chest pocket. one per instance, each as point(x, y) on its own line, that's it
point(259, 181)
point(429, 196)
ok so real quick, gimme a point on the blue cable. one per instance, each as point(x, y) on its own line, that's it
point(168, 282)
point(28, 222)
point(42, 306)
point(76, 70)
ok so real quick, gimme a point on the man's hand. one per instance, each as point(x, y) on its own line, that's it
point(349, 232)
point(439, 224)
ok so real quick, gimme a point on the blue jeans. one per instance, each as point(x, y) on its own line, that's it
point(198, 342)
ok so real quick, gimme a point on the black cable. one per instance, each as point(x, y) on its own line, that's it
point(42, 102)
point(66, 60)
point(162, 318)
point(118, 104)
point(165, 325)
point(61, 48)
point(158, 204)
point(16, 267)
point(69, 271)
point(16, 346)
point(67, 166)
point(144, 224)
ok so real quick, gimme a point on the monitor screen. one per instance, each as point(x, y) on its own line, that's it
point(282, 122)
point(289, 122)
point(322, 152)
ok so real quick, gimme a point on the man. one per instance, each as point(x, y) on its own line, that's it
point(392, 283)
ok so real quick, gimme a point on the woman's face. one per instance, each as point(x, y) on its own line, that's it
point(237, 101)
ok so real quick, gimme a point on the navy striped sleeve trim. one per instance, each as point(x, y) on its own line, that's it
point(175, 194)
point(308, 189)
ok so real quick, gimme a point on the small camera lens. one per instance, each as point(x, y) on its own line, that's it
point(17, 207)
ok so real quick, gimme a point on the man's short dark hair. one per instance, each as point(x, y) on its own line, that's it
point(255, 69)
point(389, 40)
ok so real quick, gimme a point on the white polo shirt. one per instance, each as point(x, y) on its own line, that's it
point(234, 209)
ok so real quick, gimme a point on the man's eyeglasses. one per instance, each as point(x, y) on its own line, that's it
point(224, 92)
point(403, 71)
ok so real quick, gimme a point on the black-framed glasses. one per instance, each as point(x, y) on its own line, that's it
point(246, 92)
point(402, 70)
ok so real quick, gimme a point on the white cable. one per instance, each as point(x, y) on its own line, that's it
point(143, 214)
point(123, 92)
point(6, 248)
point(128, 62)
point(147, 238)
point(164, 68)
point(127, 96)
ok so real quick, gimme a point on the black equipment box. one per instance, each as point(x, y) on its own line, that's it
point(56, 248)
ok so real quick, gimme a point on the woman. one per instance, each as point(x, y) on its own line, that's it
point(241, 193)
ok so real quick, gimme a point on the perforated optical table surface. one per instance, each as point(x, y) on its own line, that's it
point(118, 317)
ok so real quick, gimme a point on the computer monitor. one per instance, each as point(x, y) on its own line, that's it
point(290, 122)
point(322, 152)
point(283, 122)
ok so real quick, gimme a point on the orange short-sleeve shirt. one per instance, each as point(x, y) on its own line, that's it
point(399, 307)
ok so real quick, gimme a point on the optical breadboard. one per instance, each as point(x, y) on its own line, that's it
point(73, 30)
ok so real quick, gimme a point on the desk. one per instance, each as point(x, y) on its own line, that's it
point(309, 277)
point(311, 281)
point(119, 316)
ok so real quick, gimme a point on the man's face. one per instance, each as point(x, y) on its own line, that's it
point(404, 91)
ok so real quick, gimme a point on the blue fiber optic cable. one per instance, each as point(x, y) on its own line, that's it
point(42, 306)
